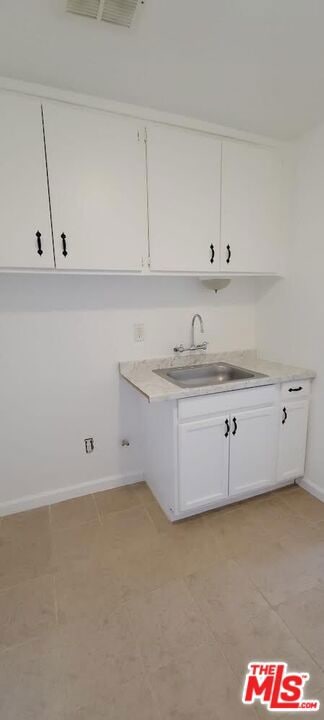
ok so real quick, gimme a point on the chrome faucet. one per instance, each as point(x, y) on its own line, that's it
point(193, 346)
point(202, 330)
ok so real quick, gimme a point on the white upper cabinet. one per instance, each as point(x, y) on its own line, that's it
point(187, 200)
point(250, 225)
point(97, 174)
point(25, 230)
point(183, 199)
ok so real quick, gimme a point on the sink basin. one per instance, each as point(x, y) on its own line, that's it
point(207, 374)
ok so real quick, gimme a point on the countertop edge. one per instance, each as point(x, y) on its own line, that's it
point(170, 392)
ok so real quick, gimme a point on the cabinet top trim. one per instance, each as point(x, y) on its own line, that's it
point(44, 92)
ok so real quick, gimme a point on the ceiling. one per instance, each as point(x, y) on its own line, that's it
point(255, 65)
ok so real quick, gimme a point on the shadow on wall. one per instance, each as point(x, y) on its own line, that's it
point(130, 428)
point(46, 293)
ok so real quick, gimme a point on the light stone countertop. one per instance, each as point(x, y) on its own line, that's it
point(155, 388)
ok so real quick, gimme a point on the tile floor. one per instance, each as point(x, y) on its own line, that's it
point(108, 611)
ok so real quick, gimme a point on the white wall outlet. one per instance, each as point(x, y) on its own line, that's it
point(139, 332)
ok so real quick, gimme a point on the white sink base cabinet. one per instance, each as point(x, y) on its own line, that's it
point(207, 451)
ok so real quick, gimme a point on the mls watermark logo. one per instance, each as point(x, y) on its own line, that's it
point(281, 691)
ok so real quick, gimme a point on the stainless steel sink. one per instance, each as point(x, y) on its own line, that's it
point(206, 374)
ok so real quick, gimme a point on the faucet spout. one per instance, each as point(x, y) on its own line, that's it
point(193, 346)
point(196, 317)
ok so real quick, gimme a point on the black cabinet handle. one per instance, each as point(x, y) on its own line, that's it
point(229, 253)
point(296, 389)
point(285, 415)
point(39, 242)
point(212, 253)
point(227, 428)
point(235, 426)
point(64, 250)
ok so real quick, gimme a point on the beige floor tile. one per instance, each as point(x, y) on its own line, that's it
point(304, 615)
point(243, 622)
point(305, 505)
point(91, 594)
point(287, 489)
point(264, 636)
point(126, 528)
point(25, 524)
point(94, 660)
point(225, 596)
point(167, 623)
point(26, 611)
point(159, 519)
point(130, 701)
point(311, 534)
point(273, 517)
point(117, 499)
point(25, 547)
point(30, 686)
point(142, 493)
point(73, 512)
point(77, 548)
point(233, 533)
point(25, 557)
point(286, 567)
point(142, 568)
point(199, 687)
point(135, 591)
point(76, 666)
point(193, 546)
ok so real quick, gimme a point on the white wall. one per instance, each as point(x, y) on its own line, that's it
point(290, 315)
point(60, 341)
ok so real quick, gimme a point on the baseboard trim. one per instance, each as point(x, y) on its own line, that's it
point(311, 488)
point(29, 502)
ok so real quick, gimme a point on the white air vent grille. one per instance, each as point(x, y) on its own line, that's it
point(119, 12)
point(89, 8)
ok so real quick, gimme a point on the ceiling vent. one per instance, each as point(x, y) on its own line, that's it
point(119, 12)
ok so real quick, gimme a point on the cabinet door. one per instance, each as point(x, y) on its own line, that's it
point(253, 452)
point(96, 165)
point(203, 462)
point(250, 230)
point(292, 441)
point(25, 231)
point(184, 199)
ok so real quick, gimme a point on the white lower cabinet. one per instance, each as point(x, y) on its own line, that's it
point(203, 461)
point(292, 440)
point(226, 455)
point(253, 449)
point(207, 451)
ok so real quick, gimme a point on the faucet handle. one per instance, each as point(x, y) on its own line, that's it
point(178, 348)
point(202, 346)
